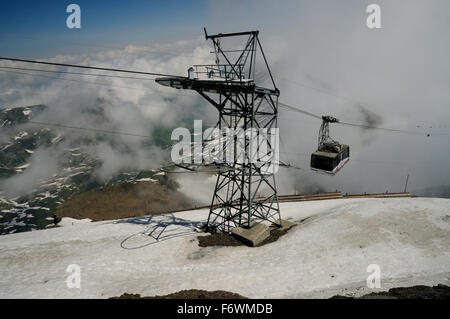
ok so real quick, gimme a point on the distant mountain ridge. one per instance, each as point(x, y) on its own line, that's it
point(77, 169)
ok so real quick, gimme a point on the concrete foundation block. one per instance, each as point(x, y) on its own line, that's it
point(252, 236)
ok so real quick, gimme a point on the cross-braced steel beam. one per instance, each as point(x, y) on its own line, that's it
point(246, 192)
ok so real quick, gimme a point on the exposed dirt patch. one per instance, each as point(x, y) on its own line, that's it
point(202, 253)
point(218, 239)
point(123, 201)
point(305, 219)
point(223, 239)
point(275, 234)
point(188, 294)
point(415, 292)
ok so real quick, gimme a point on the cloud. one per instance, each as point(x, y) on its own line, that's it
point(43, 164)
point(396, 76)
point(112, 104)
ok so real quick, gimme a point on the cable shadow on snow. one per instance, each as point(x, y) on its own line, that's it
point(158, 228)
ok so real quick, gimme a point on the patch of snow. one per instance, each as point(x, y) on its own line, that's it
point(20, 135)
point(49, 184)
point(327, 253)
point(56, 139)
point(146, 180)
point(72, 175)
point(38, 207)
point(23, 166)
point(67, 221)
point(5, 147)
point(14, 222)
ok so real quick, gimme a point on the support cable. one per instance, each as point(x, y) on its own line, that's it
point(87, 67)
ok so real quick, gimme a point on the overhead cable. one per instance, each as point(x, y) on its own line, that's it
point(87, 67)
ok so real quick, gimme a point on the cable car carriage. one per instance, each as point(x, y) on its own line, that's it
point(330, 156)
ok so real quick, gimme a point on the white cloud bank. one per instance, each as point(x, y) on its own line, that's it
point(399, 73)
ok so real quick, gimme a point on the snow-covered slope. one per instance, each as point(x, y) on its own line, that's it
point(326, 254)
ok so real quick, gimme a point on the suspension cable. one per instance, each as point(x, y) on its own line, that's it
point(87, 67)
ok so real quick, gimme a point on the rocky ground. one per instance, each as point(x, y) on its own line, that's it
point(188, 294)
point(415, 292)
point(223, 239)
point(124, 201)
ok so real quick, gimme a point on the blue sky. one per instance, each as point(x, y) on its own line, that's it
point(38, 28)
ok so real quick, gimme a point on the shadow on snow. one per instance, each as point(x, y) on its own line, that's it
point(158, 228)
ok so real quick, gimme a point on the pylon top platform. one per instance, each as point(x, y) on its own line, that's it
point(214, 85)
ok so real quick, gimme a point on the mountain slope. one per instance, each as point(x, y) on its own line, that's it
point(326, 254)
point(43, 167)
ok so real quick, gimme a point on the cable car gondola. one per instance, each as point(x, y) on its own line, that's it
point(330, 156)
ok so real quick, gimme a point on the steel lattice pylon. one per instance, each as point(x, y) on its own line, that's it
point(324, 132)
point(245, 192)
